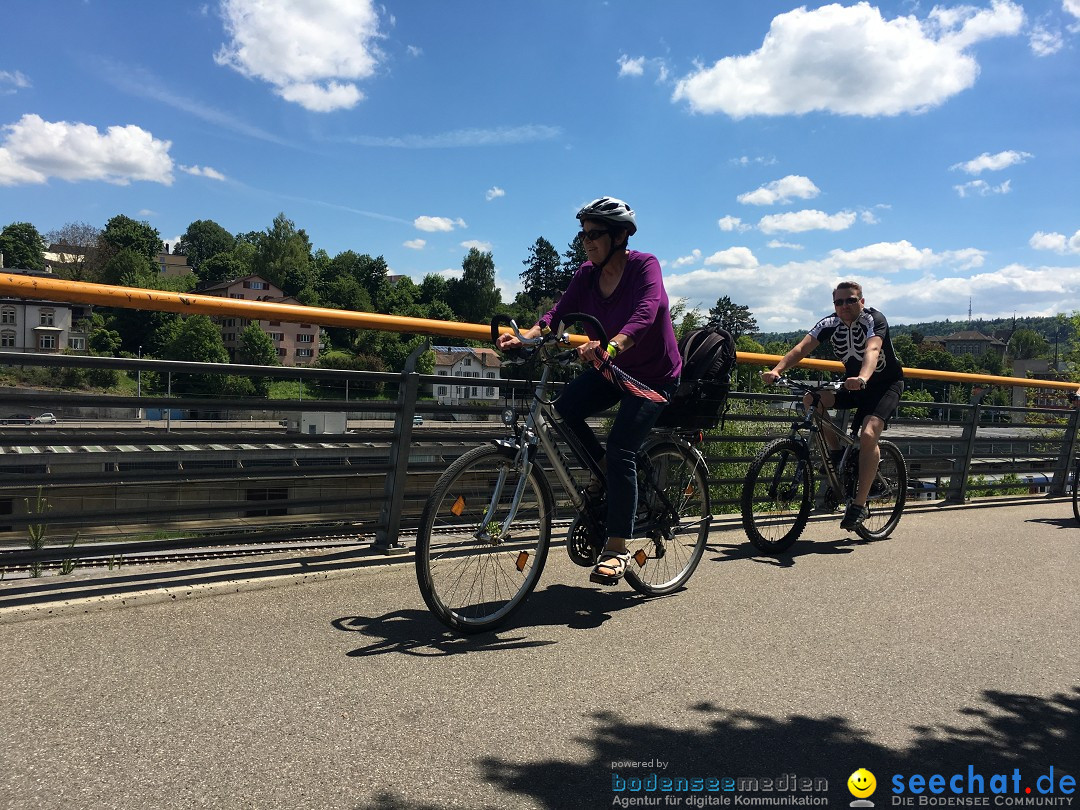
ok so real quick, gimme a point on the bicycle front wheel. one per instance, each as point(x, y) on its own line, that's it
point(776, 496)
point(475, 567)
point(673, 519)
point(888, 494)
point(1075, 486)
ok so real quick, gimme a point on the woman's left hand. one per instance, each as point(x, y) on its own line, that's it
point(587, 352)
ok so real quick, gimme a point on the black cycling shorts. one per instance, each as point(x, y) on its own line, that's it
point(879, 402)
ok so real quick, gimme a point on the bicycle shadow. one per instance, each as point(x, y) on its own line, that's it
point(786, 559)
point(1061, 523)
point(418, 632)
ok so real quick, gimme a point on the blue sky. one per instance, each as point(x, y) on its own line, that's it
point(931, 152)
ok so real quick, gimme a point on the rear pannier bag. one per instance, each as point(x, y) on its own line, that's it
point(699, 403)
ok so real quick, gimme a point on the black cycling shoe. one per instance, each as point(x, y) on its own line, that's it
point(853, 517)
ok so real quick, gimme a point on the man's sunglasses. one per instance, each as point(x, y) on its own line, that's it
point(839, 302)
point(593, 235)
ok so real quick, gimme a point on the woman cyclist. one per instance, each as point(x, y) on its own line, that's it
point(624, 290)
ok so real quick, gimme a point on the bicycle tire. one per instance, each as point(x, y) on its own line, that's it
point(888, 493)
point(470, 580)
point(1075, 487)
point(667, 548)
point(776, 496)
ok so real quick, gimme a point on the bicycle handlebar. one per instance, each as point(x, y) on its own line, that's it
point(809, 387)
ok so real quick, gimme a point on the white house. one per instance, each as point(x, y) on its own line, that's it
point(37, 326)
point(464, 361)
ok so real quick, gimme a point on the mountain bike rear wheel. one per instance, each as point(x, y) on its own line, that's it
point(776, 496)
point(673, 518)
point(473, 570)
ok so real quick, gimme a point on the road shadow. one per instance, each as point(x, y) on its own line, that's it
point(418, 632)
point(746, 551)
point(1005, 732)
point(1061, 523)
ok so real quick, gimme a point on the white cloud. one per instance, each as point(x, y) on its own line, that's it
point(12, 82)
point(33, 150)
point(740, 257)
point(1057, 242)
point(414, 51)
point(433, 224)
point(850, 61)
point(483, 247)
point(982, 188)
point(745, 160)
point(783, 190)
point(776, 243)
point(892, 257)
point(1044, 41)
point(203, 171)
point(631, 67)
point(868, 218)
point(415, 244)
point(310, 52)
point(1073, 7)
point(806, 220)
point(686, 261)
point(730, 223)
point(992, 163)
point(493, 193)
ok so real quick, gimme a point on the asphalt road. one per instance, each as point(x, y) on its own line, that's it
point(952, 645)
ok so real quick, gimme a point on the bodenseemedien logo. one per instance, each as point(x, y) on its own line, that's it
point(862, 785)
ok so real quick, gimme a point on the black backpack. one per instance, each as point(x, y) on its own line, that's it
point(699, 403)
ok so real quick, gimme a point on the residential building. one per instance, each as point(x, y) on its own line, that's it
point(172, 264)
point(464, 361)
point(39, 326)
point(297, 344)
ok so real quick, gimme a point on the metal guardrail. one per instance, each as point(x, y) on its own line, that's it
point(100, 485)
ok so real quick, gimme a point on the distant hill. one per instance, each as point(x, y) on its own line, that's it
point(1049, 327)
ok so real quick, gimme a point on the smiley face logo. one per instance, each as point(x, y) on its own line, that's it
point(861, 783)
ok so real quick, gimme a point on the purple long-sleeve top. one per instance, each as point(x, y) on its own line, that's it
point(637, 308)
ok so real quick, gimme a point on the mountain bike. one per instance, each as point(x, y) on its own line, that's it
point(486, 527)
point(778, 493)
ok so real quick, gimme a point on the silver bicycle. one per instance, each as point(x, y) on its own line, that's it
point(486, 527)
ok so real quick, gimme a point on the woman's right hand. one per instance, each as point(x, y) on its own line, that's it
point(769, 377)
point(507, 342)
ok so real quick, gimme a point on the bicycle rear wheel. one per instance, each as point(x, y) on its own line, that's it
point(673, 519)
point(472, 569)
point(888, 493)
point(776, 496)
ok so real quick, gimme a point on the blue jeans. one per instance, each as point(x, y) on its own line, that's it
point(589, 394)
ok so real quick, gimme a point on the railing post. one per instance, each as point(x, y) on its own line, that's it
point(958, 481)
point(386, 536)
point(1068, 453)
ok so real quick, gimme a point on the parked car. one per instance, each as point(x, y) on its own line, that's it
point(418, 420)
point(17, 419)
point(45, 419)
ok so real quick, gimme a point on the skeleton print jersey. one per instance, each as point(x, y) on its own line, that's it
point(849, 345)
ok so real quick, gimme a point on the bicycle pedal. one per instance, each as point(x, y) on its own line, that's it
point(601, 579)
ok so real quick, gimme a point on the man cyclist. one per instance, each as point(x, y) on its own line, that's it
point(859, 336)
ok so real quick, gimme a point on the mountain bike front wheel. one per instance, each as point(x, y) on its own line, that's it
point(776, 496)
point(473, 566)
point(673, 518)
point(1075, 485)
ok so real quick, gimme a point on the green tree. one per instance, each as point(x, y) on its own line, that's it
point(197, 340)
point(736, 318)
point(543, 276)
point(129, 268)
point(573, 258)
point(123, 232)
point(474, 297)
point(220, 267)
point(23, 247)
point(283, 256)
point(1026, 344)
point(257, 349)
point(202, 239)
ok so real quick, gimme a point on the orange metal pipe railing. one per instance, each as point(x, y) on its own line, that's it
point(107, 295)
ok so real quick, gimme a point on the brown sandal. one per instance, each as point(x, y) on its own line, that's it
point(614, 562)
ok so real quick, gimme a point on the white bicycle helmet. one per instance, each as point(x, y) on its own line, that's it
point(609, 209)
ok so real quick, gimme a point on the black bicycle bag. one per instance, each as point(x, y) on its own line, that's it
point(699, 403)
